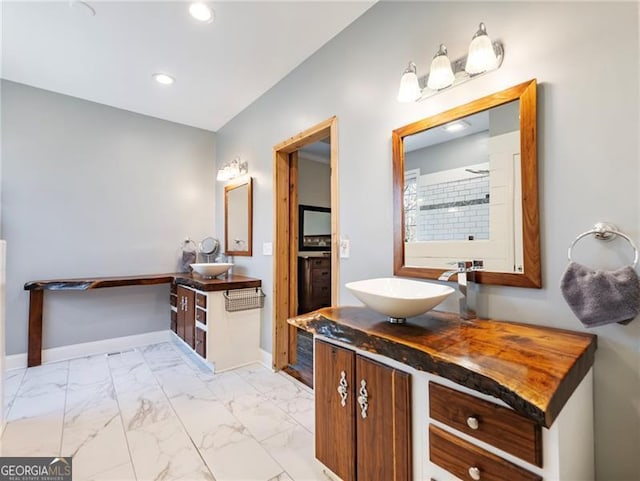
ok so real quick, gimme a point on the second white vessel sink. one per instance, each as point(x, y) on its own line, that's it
point(399, 298)
point(211, 269)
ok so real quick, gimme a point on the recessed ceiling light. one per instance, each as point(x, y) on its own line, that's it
point(83, 7)
point(456, 126)
point(163, 78)
point(201, 11)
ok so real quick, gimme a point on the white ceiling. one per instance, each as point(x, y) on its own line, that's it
point(319, 151)
point(436, 135)
point(220, 68)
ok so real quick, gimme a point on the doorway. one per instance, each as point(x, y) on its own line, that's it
point(318, 250)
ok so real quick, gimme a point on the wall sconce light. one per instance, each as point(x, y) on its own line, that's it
point(483, 56)
point(232, 169)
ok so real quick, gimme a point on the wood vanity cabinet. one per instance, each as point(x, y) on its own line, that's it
point(363, 427)
point(314, 283)
point(212, 326)
point(491, 400)
point(185, 325)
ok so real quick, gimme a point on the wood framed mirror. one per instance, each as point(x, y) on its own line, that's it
point(465, 187)
point(238, 218)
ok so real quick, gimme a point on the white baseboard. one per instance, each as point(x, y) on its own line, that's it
point(84, 349)
point(266, 359)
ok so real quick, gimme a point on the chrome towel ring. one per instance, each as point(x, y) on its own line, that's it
point(606, 232)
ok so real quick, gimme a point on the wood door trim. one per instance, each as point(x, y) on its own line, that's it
point(283, 280)
point(293, 255)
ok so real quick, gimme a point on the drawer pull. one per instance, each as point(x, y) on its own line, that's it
point(363, 399)
point(473, 423)
point(342, 388)
point(474, 473)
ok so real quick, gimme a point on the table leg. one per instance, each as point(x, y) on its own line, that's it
point(36, 298)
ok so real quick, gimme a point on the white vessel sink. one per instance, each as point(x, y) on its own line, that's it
point(211, 269)
point(399, 298)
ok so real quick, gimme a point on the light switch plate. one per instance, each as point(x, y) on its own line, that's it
point(267, 248)
point(345, 248)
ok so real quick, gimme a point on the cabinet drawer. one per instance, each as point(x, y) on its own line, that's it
point(173, 288)
point(322, 262)
point(499, 426)
point(460, 457)
point(174, 321)
point(201, 342)
point(201, 316)
point(173, 300)
point(321, 275)
point(201, 300)
point(321, 290)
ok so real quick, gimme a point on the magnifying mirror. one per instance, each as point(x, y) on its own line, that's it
point(209, 247)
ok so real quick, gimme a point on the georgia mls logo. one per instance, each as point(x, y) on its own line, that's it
point(35, 469)
point(59, 467)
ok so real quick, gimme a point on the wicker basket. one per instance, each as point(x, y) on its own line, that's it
point(244, 299)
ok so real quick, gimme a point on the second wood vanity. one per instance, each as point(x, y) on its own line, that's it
point(440, 398)
point(202, 318)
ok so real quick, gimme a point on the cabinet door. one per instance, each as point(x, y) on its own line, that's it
point(335, 423)
point(190, 318)
point(181, 311)
point(383, 422)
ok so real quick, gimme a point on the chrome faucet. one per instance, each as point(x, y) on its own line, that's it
point(466, 272)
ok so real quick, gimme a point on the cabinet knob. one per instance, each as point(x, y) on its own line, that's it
point(474, 473)
point(473, 423)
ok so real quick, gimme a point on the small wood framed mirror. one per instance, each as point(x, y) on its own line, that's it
point(465, 187)
point(238, 218)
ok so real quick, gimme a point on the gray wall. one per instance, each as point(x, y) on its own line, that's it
point(584, 176)
point(89, 190)
point(468, 150)
point(314, 183)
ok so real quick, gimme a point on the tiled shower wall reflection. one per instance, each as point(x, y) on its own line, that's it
point(456, 210)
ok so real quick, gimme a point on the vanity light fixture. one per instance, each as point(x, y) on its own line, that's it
point(202, 12)
point(440, 75)
point(409, 86)
point(163, 78)
point(484, 56)
point(232, 170)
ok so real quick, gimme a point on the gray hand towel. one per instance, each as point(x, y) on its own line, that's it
point(601, 297)
point(188, 258)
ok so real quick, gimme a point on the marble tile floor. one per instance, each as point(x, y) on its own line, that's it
point(159, 413)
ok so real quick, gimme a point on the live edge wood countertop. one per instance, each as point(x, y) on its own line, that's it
point(533, 369)
point(180, 278)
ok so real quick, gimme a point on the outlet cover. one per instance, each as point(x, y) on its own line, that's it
point(267, 248)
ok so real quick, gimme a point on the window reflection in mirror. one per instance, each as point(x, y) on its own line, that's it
point(462, 191)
